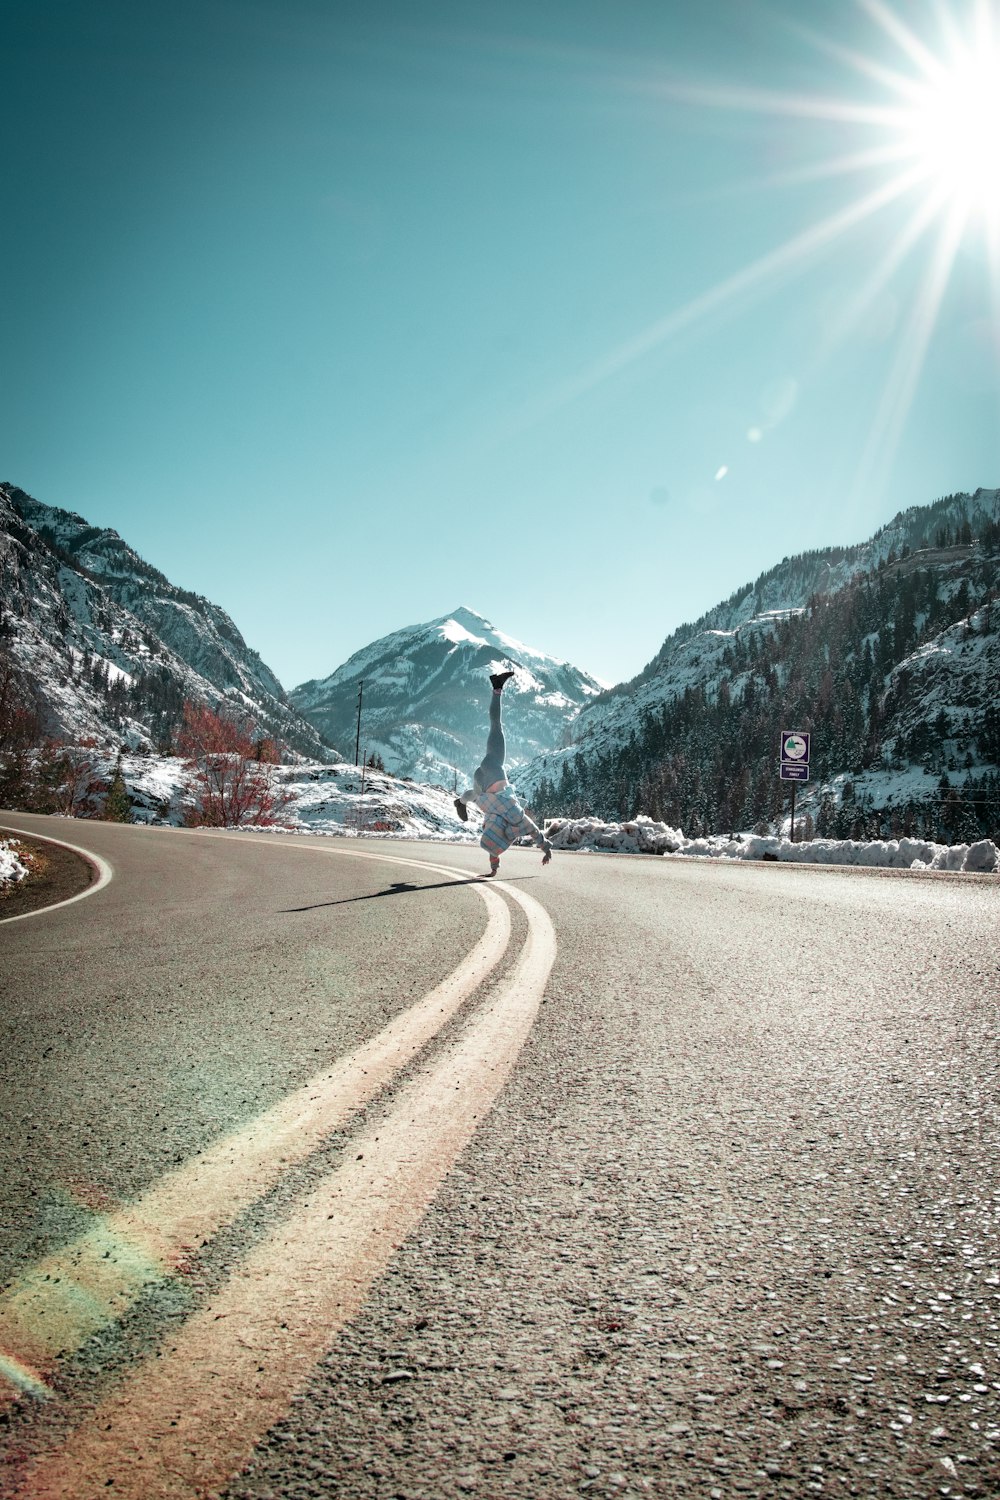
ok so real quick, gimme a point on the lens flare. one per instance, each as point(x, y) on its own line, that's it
point(954, 130)
point(923, 138)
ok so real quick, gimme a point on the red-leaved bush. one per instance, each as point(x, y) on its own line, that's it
point(235, 783)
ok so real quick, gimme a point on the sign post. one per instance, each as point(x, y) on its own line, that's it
point(794, 762)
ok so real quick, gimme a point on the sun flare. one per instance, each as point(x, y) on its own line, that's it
point(953, 128)
point(921, 138)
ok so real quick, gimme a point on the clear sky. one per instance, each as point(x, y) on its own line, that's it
point(581, 314)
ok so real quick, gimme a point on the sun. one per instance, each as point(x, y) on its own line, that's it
point(951, 127)
point(921, 138)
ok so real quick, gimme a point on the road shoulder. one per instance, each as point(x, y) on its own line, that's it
point(56, 874)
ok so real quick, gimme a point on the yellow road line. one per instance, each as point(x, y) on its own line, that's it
point(187, 1421)
point(53, 1307)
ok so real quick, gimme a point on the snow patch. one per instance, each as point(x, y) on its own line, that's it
point(12, 868)
point(324, 798)
point(345, 800)
point(644, 836)
point(451, 630)
point(638, 836)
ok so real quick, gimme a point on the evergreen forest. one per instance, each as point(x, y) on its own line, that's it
point(848, 669)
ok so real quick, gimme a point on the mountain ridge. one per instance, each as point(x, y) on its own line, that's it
point(821, 569)
point(112, 647)
point(887, 652)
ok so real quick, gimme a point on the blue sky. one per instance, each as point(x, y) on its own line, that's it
point(345, 314)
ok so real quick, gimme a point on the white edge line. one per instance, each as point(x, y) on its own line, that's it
point(105, 873)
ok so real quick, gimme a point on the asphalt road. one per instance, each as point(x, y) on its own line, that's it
point(695, 1194)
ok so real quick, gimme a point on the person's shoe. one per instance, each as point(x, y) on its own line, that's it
point(499, 678)
point(494, 865)
point(462, 811)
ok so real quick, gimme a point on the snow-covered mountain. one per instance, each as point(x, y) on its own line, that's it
point(426, 696)
point(111, 648)
point(888, 652)
point(692, 655)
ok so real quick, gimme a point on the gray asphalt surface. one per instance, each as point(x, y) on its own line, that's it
point(199, 987)
point(734, 1227)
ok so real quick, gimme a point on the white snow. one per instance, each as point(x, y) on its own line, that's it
point(644, 836)
point(451, 630)
point(638, 836)
point(12, 868)
point(766, 616)
point(351, 802)
point(340, 799)
point(324, 799)
point(118, 674)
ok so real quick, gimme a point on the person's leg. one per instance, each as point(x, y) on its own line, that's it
point(496, 745)
point(491, 767)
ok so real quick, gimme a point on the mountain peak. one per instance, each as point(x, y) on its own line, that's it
point(426, 694)
point(463, 615)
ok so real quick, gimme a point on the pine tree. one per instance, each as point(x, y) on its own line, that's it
point(117, 803)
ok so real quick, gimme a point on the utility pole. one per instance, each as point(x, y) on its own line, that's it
point(357, 742)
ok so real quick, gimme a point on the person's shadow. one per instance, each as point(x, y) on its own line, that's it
point(403, 888)
point(398, 888)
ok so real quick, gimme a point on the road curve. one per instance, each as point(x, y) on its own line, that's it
point(66, 1296)
point(187, 1420)
point(730, 1225)
point(94, 874)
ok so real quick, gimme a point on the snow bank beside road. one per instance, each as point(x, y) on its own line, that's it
point(11, 867)
point(643, 836)
point(638, 836)
point(890, 854)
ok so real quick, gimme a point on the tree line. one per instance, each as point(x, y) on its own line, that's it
point(706, 760)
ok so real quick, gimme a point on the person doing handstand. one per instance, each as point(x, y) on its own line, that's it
point(504, 818)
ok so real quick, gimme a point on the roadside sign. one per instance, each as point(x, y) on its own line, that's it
point(794, 763)
point(794, 746)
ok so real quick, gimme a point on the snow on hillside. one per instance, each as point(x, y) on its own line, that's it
point(955, 674)
point(336, 800)
point(325, 798)
point(888, 653)
point(426, 695)
point(111, 647)
point(692, 654)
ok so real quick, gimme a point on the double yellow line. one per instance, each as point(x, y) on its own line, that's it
point(182, 1423)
